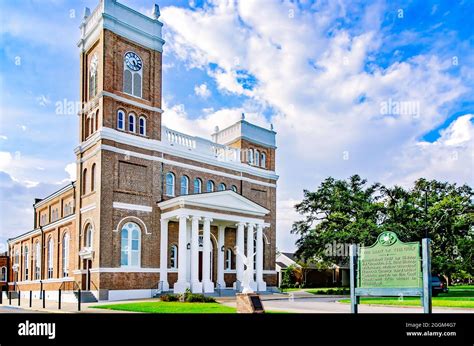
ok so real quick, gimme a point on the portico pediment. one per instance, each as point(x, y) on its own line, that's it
point(225, 201)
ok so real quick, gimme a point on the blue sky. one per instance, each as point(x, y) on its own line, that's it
point(319, 71)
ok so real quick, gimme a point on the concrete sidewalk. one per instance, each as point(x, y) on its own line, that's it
point(52, 306)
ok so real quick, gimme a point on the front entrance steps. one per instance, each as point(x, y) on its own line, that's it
point(223, 292)
point(86, 297)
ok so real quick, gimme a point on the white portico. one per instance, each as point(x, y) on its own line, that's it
point(196, 214)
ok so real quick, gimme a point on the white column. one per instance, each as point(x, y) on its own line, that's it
point(164, 255)
point(250, 252)
point(207, 283)
point(181, 285)
point(220, 256)
point(239, 264)
point(196, 285)
point(261, 285)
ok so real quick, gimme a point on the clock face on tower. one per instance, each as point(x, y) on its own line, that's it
point(133, 61)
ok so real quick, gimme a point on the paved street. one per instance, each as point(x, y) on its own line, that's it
point(303, 302)
point(297, 302)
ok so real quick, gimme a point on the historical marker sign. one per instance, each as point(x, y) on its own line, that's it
point(390, 263)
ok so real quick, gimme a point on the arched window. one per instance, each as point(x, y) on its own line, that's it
point(174, 256)
point(234, 188)
point(197, 185)
point(121, 120)
point(142, 126)
point(228, 259)
point(210, 186)
point(65, 255)
point(26, 264)
point(170, 184)
point(93, 177)
point(50, 258)
point(222, 187)
point(88, 238)
point(130, 245)
point(250, 156)
point(132, 74)
point(93, 76)
point(131, 122)
point(3, 276)
point(257, 158)
point(37, 260)
point(184, 185)
point(263, 161)
point(84, 181)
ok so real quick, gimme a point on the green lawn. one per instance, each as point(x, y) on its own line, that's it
point(457, 297)
point(171, 308)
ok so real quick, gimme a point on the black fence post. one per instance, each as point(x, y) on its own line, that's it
point(59, 300)
point(19, 297)
point(31, 298)
point(1, 295)
point(44, 300)
point(10, 297)
point(79, 300)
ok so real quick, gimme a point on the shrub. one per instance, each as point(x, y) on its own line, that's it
point(169, 298)
point(199, 298)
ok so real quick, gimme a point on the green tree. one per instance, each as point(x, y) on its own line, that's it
point(338, 211)
point(352, 211)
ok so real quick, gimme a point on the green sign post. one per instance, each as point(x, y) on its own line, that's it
point(390, 267)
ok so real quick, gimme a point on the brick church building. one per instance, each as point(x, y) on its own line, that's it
point(152, 209)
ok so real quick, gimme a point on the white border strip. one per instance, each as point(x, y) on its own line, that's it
point(125, 270)
point(130, 102)
point(88, 208)
point(127, 206)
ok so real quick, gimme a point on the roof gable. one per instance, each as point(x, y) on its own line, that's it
point(221, 200)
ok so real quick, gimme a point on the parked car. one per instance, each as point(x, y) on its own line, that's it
point(438, 286)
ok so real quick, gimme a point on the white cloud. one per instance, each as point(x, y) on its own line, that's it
point(326, 91)
point(3, 137)
point(202, 91)
point(71, 170)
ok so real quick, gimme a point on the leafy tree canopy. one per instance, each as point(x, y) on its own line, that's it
point(341, 212)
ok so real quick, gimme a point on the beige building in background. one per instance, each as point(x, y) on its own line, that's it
point(153, 209)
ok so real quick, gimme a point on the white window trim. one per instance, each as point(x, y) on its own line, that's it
point(37, 260)
point(263, 160)
point(199, 181)
point(50, 257)
point(213, 186)
point(88, 244)
point(65, 254)
point(222, 187)
point(26, 270)
point(123, 120)
point(173, 184)
point(144, 126)
point(228, 261)
point(134, 123)
point(175, 266)
point(186, 179)
point(129, 239)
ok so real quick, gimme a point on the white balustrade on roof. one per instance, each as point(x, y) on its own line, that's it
point(199, 145)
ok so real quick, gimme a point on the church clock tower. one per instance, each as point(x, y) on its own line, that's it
point(121, 79)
